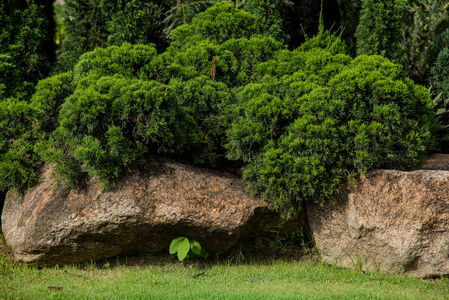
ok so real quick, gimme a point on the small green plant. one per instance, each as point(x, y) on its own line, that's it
point(441, 111)
point(184, 247)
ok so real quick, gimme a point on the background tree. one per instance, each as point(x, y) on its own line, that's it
point(100, 23)
point(27, 47)
point(349, 20)
point(301, 18)
point(379, 29)
point(422, 22)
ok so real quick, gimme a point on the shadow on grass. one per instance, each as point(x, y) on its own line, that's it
point(261, 250)
point(256, 250)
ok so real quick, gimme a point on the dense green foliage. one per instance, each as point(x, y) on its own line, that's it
point(223, 86)
point(48, 98)
point(438, 44)
point(218, 24)
point(349, 19)
point(437, 61)
point(267, 13)
point(379, 29)
point(26, 45)
point(108, 123)
point(128, 100)
point(402, 30)
point(420, 24)
point(22, 125)
point(292, 123)
point(438, 80)
point(103, 23)
point(136, 21)
point(440, 73)
point(440, 83)
point(269, 19)
point(18, 162)
point(91, 24)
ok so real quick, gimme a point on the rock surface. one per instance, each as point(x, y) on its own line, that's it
point(392, 222)
point(162, 200)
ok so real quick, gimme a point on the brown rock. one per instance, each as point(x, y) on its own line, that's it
point(393, 222)
point(163, 200)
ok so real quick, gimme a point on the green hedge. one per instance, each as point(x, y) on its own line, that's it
point(319, 119)
point(91, 24)
point(379, 29)
point(27, 49)
point(18, 162)
point(302, 122)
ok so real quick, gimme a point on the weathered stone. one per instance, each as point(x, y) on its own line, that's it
point(392, 222)
point(163, 200)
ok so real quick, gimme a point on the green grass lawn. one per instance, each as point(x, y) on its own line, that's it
point(165, 278)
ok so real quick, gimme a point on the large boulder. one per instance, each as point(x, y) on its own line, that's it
point(162, 200)
point(392, 221)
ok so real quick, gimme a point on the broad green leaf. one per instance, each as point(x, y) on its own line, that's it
point(204, 253)
point(183, 249)
point(195, 247)
point(174, 246)
point(440, 111)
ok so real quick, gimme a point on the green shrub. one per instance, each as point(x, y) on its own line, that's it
point(85, 29)
point(290, 126)
point(218, 24)
point(268, 16)
point(91, 24)
point(440, 42)
point(209, 104)
point(439, 74)
point(441, 110)
point(127, 60)
point(349, 19)
point(439, 81)
point(331, 41)
point(27, 48)
point(110, 122)
point(49, 96)
point(421, 22)
point(18, 162)
point(282, 113)
point(236, 60)
point(379, 29)
point(136, 22)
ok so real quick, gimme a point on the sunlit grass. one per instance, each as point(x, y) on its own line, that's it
point(164, 278)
